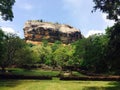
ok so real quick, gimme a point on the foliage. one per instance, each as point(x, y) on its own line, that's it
point(2, 48)
point(56, 45)
point(79, 51)
point(113, 52)
point(6, 9)
point(95, 50)
point(25, 56)
point(63, 56)
point(44, 42)
point(44, 53)
point(111, 7)
point(11, 44)
point(91, 52)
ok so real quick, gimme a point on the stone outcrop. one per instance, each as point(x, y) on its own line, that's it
point(35, 31)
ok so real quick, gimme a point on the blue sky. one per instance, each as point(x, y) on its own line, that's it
point(76, 13)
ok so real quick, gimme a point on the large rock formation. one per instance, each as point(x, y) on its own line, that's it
point(35, 31)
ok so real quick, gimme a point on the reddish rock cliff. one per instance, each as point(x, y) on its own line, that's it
point(35, 31)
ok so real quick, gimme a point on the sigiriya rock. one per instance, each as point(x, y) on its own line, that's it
point(35, 31)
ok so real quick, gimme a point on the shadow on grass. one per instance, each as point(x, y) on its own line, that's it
point(112, 86)
point(9, 83)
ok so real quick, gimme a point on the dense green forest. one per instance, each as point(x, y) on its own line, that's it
point(98, 53)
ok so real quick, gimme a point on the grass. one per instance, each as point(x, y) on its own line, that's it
point(35, 72)
point(56, 84)
point(38, 72)
point(77, 73)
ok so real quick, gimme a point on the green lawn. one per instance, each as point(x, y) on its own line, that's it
point(38, 72)
point(56, 84)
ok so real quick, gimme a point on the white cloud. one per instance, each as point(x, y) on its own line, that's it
point(9, 30)
point(107, 21)
point(91, 32)
point(1, 20)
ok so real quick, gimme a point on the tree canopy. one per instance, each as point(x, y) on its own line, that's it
point(10, 45)
point(6, 9)
point(111, 7)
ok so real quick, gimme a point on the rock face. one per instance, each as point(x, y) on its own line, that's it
point(35, 31)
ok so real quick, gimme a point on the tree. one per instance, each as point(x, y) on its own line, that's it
point(6, 9)
point(56, 45)
point(95, 52)
point(44, 52)
point(62, 57)
point(2, 46)
point(113, 51)
point(12, 44)
point(111, 7)
point(2, 37)
point(90, 53)
point(44, 42)
point(25, 57)
point(79, 51)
